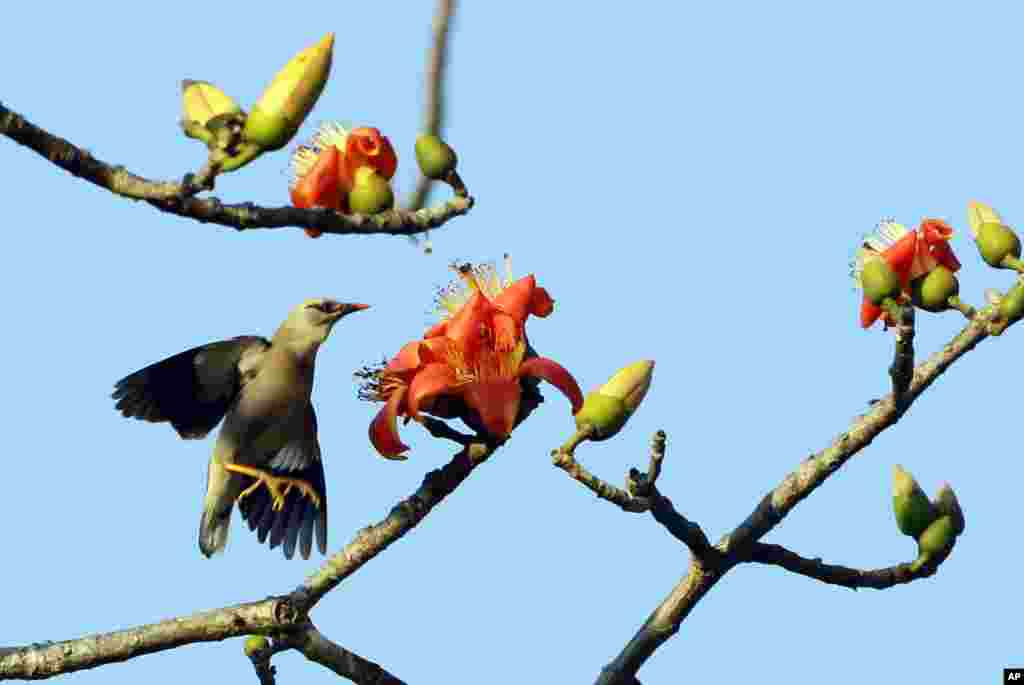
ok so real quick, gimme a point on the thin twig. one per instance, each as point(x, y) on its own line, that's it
point(878, 579)
point(317, 647)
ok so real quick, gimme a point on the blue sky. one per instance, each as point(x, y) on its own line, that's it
point(688, 181)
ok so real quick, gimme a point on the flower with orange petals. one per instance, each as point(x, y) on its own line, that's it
point(470, 365)
point(910, 254)
point(323, 171)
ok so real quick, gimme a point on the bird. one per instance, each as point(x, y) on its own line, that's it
point(267, 456)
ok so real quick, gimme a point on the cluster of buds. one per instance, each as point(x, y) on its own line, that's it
point(237, 138)
point(894, 266)
point(934, 524)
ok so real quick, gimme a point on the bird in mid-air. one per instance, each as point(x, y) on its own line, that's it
point(267, 456)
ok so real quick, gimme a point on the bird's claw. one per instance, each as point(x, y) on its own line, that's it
point(277, 486)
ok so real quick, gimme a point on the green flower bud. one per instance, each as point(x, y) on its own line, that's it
point(1011, 305)
point(914, 511)
point(255, 644)
point(371, 192)
point(946, 504)
point(879, 281)
point(996, 242)
point(607, 409)
point(201, 103)
point(932, 291)
point(435, 157)
point(935, 540)
point(285, 103)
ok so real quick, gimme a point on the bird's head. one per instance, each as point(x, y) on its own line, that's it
point(309, 324)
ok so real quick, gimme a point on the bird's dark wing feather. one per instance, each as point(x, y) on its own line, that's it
point(191, 390)
point(299, 519)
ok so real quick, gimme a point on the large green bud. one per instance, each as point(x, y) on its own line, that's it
point(914, 511)
point(936, 540)
point(371, 192)
point(879, 281)
point(996, 243)
point(606, 410)
point(435, 157)
point(932, 291)
point(285, 103)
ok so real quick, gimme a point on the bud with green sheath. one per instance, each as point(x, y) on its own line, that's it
point(435, 157)
point(1011, 305)
point(255, 644)
point(914, 511)
point(946, 504)
point(932, 292)
point(371, 192)
point(606, 410)
point(936, 540)
point(201, 103)
point(285, 103)
point(998, 244)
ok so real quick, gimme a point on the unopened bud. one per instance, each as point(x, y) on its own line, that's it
point(932, 291)
point(879, 281)
point(946, 504)
point(936, 540)
point(607, 409)
point(436, 158)
point(914, 511)
point(371, 192)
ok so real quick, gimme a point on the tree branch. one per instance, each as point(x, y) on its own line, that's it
point(175, 198)
point(878, 579)
point(316, 647)
point(734, 547)
point(36, 662)
point(902, 369)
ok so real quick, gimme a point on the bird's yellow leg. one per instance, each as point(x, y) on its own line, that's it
point(278, 486)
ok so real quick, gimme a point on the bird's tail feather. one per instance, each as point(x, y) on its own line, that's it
point(213, 528)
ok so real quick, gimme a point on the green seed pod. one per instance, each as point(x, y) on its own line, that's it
point(283, 106)
point(607, 409)
point(996, 242)
point(914, 511)
point(932, 291)
point(255, 644)
point(946, 504)
point(435, 157)
point(879, 281)
point(1011, 305)
point(371, 192)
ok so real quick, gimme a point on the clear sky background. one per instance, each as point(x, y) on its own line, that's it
point(688, 181)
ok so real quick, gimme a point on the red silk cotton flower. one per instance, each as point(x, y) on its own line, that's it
point(910, 254)
point(323, 171)
point(470, 365)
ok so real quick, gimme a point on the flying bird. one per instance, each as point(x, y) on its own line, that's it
point(267, 456)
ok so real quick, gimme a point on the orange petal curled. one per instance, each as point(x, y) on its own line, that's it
point(469, 326)
point(515, 300)
point(432, 380)
point(900, 255)
point(384, 428)
point(869, 313)
point(555, 374)
point(365, 146)
point(541, 303)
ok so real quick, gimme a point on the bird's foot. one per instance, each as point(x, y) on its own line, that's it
point(278, 486)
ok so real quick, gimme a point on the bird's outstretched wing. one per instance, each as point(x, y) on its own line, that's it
point(194, 389)
point(295, 522)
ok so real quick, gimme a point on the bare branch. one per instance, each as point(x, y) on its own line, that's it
point(405, 516)
point(437, 60)
point(36, 662)
point(902, 369)
point(878, 579)
point(175, 198)
point(564, 458)
point(665, 620)
point(323, 651)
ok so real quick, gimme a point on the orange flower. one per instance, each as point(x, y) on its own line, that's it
point(910, 254)
point(470, 365)
point(322, 171)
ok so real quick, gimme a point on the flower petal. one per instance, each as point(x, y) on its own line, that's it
point(496, 402)
point(943, 254)
point(515, 299)
point(319, 187)
point(869, 313)
point(555, 374)
point(384, 428)
point(900, 255)
point(468, 327)
point(365, 146)
point(430, 381)
point(541, 303)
